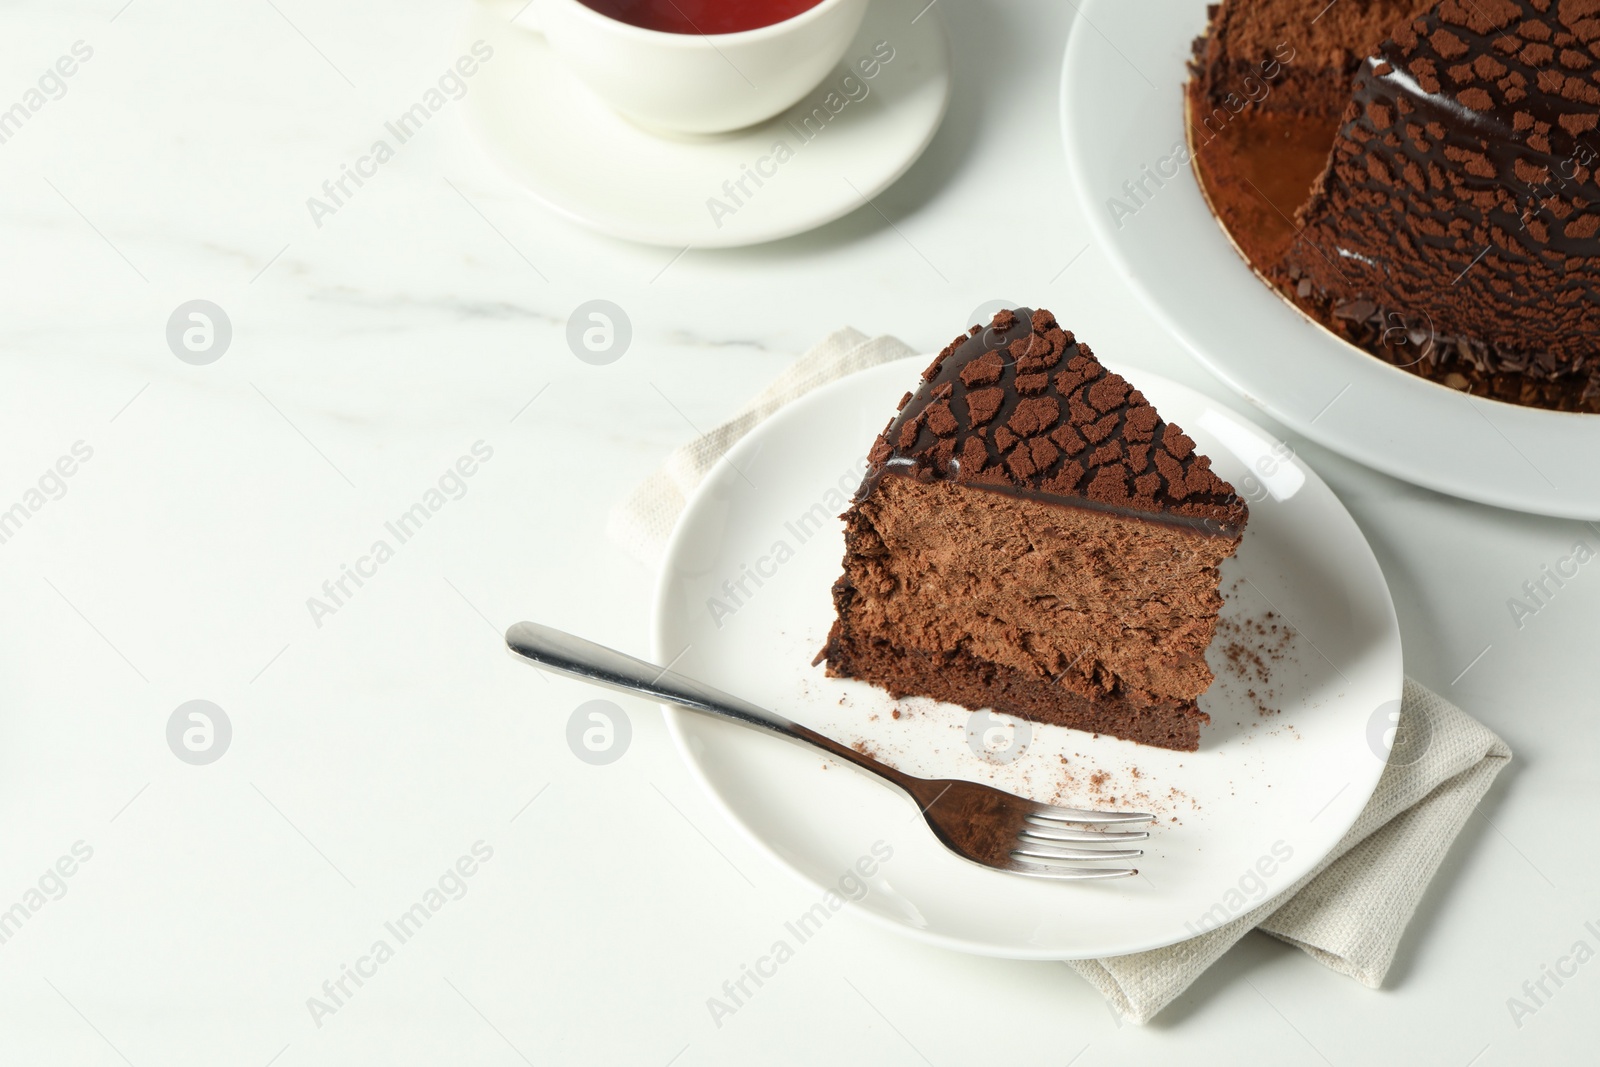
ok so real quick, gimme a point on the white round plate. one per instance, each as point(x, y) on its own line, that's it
point(743, 603)
point(1122, 112)
point(586, 162)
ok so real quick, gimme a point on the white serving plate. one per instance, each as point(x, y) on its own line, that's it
point(1276, 791)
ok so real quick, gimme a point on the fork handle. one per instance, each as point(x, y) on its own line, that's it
point(587, 661)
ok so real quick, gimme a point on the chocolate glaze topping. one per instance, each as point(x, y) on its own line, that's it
point(1462, 197)
point(1021, 407)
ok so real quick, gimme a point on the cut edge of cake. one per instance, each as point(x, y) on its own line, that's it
point(1451, 228)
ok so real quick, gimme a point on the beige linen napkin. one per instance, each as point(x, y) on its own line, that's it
point(1348, 914)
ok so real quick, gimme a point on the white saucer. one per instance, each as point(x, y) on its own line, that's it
point(583, 160)
point(1276, 790)
point(1121, 111)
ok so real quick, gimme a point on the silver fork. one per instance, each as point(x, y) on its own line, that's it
point(976, 822)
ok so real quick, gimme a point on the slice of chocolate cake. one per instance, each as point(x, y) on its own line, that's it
point(1032, 537)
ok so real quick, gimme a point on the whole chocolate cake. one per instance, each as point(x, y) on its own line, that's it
point(1032, 537)
point(1451, 223)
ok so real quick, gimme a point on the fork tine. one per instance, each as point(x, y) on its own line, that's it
point(1062, 852)
point(1079, 815)
point(1067, 874)
point(1046, 831)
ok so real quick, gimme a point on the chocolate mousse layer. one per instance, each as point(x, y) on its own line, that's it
point(1032, 537)
point(1303, 52)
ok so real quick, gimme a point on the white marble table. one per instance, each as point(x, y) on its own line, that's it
point(377, 743)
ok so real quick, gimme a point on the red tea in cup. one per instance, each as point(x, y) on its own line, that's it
point(700, 16)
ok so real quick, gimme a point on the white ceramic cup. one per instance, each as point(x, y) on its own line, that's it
point(689, 83)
